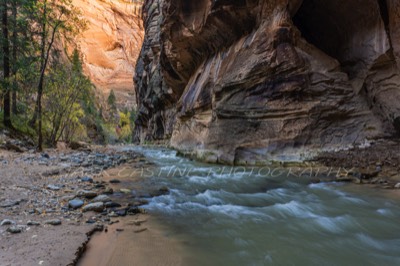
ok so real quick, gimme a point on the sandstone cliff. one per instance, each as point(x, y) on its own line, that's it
point(111, 45)
point(245, 82)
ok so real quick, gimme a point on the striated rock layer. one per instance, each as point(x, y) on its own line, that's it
point(111, 44)
point(249, 81)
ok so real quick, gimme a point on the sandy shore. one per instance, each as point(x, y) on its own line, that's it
point(39, 227)
point(139, 241)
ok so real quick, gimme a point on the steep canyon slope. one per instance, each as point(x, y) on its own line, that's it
point(249, 81)
point(111, 44)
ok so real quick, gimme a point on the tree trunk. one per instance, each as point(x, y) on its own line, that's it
point(14, 58)
point(35, 116)
point(6, 67)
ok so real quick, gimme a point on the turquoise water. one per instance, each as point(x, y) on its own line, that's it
point(237, 216)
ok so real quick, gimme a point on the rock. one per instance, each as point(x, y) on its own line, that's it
point(53, 222)
point(79, 145)
point(112, 214)
point(46, 155)
point(33, 223)
point(87, 179)
point(159, 192)
point(115, 49)
point(96, 207)
point(14, 230)
point(9, 203)
point(139, 202)
point(99, 186)
point(112, 204)
point(53, 187)
point(101, 198)
point(137, 222)
point(136, 210)
point(140, 230)
point(121, 212)
point(86, 194)
point(164, 190)
point(397, 186)
point(115, 181)
point(125, 191)
point(108, 190)
point(13, 147)
point(7, 222)
point(287, 81)
point(76, 203)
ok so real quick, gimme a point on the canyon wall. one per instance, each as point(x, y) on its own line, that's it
point(250, 81)
point(111, 45)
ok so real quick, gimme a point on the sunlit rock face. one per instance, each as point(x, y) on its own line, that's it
point(111, 45)
point(247, 81)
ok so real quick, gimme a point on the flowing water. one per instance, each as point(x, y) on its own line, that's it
point(253, 216)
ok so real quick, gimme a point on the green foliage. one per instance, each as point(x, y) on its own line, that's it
point(39, 70)
point(112, 100)
point(66, 97)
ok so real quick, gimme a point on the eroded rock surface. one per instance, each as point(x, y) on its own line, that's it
point(111, 44)
point(246, 82)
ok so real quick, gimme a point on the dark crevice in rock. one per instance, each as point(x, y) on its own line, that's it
point(318, 26)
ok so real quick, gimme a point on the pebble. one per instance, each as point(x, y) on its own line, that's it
point(86, 194)
point(87, 179)
point(7, 222)
point(14, 230)
point(108, 191)
point(53, 222)
point(31, 223)
point(112, 214)
point(112, 204)
point(121, 212)
point(101, 198)
point(140, 230)
point(76, 203)
point(115, 181)
point(136, 210)
point(8, 203)
point(53, 187)
point(125, 191)
point(97, 207)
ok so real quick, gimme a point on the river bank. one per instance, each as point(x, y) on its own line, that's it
point(43, 198)
point(51, 203)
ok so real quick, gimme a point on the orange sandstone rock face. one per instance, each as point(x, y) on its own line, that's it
point(111, 45)
point(247, 82)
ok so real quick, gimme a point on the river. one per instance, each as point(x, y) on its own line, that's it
point(254, 216)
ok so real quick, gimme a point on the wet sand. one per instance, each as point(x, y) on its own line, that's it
point(147, 244)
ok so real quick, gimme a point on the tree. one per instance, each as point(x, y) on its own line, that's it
point(6, 65)
point(65, 94)
point(112, 100)
point(56, 19)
